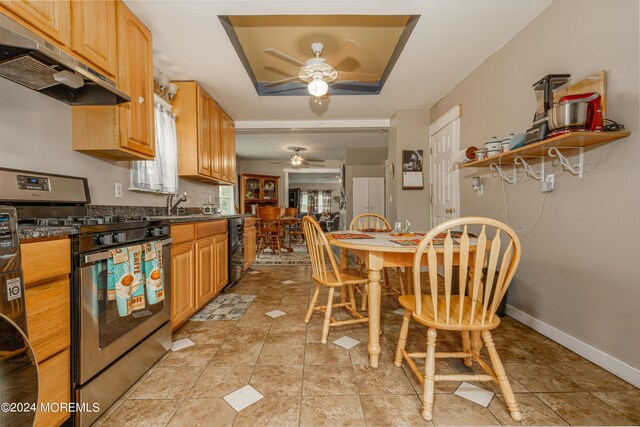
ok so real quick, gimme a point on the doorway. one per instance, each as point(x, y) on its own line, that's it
point(314, 191)
point(444, 143)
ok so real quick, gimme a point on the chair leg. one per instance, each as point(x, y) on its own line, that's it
point(466, 347)
point(365, 297)
point(402, 340)
point(429, 377)
point(312, 305)
point(387, 284)
point(476, 342)
point(399, 273)
point(327, 317)
point(501, 377)
point(352, 298)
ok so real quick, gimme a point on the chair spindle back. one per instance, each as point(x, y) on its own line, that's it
point(317, 245)
point(369, 221)
point(473, 252)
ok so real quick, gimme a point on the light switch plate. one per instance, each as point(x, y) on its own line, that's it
point(549, 183)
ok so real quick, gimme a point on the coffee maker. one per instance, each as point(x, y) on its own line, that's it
point(543, 89)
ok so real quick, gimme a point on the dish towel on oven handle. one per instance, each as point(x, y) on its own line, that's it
point(124, 279)
point(153, 272)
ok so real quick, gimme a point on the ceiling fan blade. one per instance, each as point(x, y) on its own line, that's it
point(342, 53)
point(279, 82)
point(283, 56)
point(352, 76)
point(314, 160)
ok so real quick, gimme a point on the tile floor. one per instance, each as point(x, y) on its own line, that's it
point(307, 383)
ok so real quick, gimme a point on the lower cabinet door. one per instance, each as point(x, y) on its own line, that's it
point(222, 261)
point(205, 271)
point(54, 383)
point(182, 283)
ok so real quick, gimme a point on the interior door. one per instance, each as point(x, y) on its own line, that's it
point(376, 196)
point(445, 180)
point(360, 196)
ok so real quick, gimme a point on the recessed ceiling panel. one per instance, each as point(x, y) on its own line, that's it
point(365, 47)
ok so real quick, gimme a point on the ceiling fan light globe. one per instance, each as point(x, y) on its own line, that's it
point(318, 87)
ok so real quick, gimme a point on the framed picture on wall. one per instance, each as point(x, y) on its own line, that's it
point(412, 162)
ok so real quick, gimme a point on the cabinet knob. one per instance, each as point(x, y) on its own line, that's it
point(140, 100)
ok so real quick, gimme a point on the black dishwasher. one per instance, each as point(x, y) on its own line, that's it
point(236, 249)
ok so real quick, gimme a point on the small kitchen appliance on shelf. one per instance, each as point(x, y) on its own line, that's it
point(543, 89)
point(575, 113)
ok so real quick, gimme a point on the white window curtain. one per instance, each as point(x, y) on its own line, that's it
point(161, 174)
point(315, 201)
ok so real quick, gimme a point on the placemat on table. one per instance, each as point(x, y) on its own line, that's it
point(352, 236)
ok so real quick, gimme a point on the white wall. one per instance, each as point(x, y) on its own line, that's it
point(35, 134)
point(578, 267)
point(408, 131)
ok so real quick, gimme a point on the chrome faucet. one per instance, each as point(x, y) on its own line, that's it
point(171, 207)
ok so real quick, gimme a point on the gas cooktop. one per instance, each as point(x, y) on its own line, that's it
point(82, 220)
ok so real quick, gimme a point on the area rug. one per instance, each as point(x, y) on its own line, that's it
point(225, 307)
point(299, 256)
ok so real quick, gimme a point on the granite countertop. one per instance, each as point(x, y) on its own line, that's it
point(35, 232)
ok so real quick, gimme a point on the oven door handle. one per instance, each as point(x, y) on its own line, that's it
point(101, 256)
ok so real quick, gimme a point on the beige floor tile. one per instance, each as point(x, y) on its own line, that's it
point(385, 379)
point(442, 368)
point(209, 335)
point(583, 409)
point(197, 355)
point(270, 411)
point(547, 351)
point(278, 380)
point(253, 334)
point(168, 382)
point(234, 353)
point(396, 410)
point(329, 379)
point(360, 354)
point(534, 412)
point(282, 335)
point(329, 353)
point(452, 410)
point(218, 381)
point(143, 413)
point(591, 377)
point(202, 412)
point(331, 411)
point(626, 402)
point(281, 354)
point(107, 413)
point(537, 377)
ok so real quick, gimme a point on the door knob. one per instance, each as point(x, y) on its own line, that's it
point(450, 210)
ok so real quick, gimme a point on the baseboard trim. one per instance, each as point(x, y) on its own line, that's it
point(600, 358)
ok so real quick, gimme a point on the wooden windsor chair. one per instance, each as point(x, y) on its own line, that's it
point(294, 232)
point(318, 247)
point(375, 222)
point(269, 229)
point(474, 315)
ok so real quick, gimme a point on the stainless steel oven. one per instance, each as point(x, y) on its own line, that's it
point(113, 351)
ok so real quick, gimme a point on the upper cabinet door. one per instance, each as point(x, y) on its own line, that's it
point(52, 18)
point(232, 151)
point(204, 134)
point(93, 33)
point(135, 78)
point(214, 132)
point(224, 145)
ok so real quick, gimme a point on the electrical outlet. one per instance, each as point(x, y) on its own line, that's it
point(118, 190)
point(480, 190)
point(549, 183)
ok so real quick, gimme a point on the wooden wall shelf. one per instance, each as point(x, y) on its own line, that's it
point(541, 148)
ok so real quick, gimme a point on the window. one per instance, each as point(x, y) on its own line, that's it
point(315, 201)
point(225, 196)
point(159, 175)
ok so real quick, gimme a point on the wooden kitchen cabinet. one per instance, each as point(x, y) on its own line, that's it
point(199, 267)
point(250, 242)
point(50, 19)
point(183, 283)
point(206, 269)
point(94, 33)
point(261, 190)
point(125, 131)
point(206, 148)
point(46, 267)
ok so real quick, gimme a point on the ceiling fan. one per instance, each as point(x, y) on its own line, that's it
point(318, 71)
point(297, 160)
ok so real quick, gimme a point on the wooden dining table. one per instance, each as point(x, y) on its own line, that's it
point(378, 252)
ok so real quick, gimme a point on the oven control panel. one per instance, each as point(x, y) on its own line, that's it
point(37, 183)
